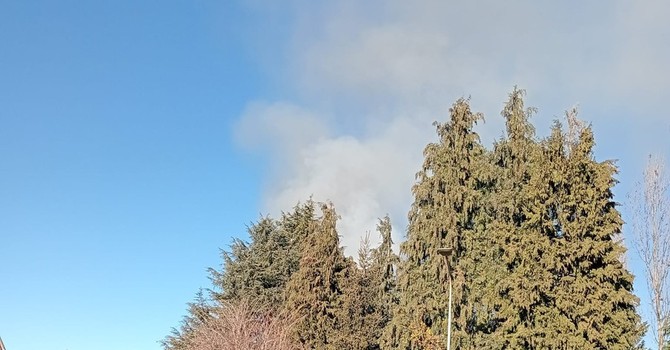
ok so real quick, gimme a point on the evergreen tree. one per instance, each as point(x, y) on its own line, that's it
point(317, 290)
point(199, 312)
point(593, 289)
point(551, 326)
point(535, 262)
point(443, 215)
point(518, 208)
point(565, 285)
point(256, 272)
point(259, 271)
point(361, 303)
point(374, 294)
point(385, 286)
point(245, 271)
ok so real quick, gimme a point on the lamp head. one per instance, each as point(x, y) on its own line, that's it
point(445, 251)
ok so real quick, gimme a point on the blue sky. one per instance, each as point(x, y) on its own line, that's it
point(119, 179)
point(136, 138)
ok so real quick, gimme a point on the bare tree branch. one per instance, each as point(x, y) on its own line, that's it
point(575, 128)
point(241, 326)
point(651, 232)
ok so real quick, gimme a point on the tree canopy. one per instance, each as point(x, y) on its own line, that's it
point(536, 261)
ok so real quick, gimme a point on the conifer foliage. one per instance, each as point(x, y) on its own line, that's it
point(594, 288)
point(443, 215)
point(318, 288)
point(535, 262)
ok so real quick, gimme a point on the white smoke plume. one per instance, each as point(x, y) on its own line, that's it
point(363, 81)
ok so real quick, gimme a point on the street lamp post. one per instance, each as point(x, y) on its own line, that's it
point(446, 253)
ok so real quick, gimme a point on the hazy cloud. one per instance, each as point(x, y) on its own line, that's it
point(366, 79)
point(283, 127)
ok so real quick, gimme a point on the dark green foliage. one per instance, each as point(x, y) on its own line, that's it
point(383, 273)
point(535, 265)
point(255, 272)
point(374, 296)
point(260, 270)
point(198, 313)
point(248, 269)
point(317, 291)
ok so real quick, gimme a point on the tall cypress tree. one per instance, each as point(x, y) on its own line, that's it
point(550, 322)
point(593, 288)
point(363, 302)
point(518, 209)
point(385, 283)
point(564, 285)
point(372, 295)
point(360, 302)
point(443, 215)
point(317, 290)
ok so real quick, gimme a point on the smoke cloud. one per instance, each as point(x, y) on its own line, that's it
point(361, 83)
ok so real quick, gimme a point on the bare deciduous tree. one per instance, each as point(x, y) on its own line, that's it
point(575, 127)
point(651, 232)
point(241, 326)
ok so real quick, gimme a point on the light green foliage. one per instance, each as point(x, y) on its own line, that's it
point(518, 207)
point(443, 215)
point(562, 284)
point(592, 288)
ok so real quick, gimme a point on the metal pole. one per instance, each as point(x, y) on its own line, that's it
point(446, 253)
point(449, 319)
